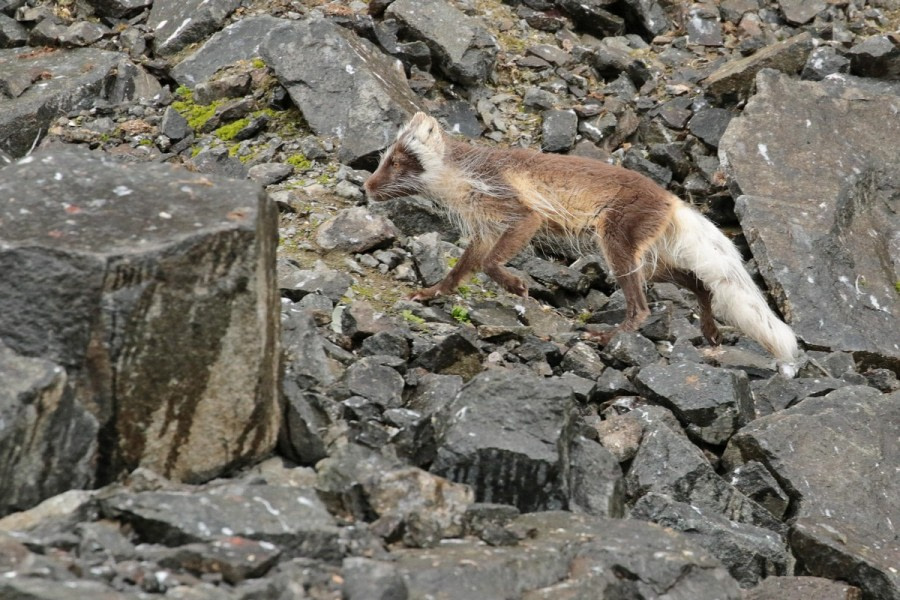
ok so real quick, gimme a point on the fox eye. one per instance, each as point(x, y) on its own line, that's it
point(395, 162)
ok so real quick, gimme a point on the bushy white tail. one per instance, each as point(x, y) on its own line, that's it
point(694, 244)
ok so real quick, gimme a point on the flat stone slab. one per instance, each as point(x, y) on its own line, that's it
point(352, 91)
point(154, 288)
point(817, 164)
point(37, 86)
point(177, 23)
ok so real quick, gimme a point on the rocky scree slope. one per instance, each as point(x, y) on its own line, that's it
point(170, 431)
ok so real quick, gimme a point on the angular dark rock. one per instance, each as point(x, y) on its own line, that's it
point(558, 130)
point(336, 91)
point(825, 273)
point(465, 51)
point(594, 479)
point(118, 8)
point(296, 283)
point(779, 393)
point(755, 481)
point(824, 61)
point(703, 25)
point(178, 23)
point(12, 34)
point(709, 124)
point(368, 579)
point(651, 15)
point(380, 384)
point(506, 436)
point(562, 555)
point(122, 262)
point(49, 439)
point(79, 77)
point(592, 16)
point(630, 348)
point(173, 125)
point(667, 463)
point(355, 230)
point(749, 553)
point(454, 355)
point(830, 548)
point(798, 12)
point(621, 435)
point(293, 519)
point(235, 558)
point(710, 403)
point(735, 78)
point(877, 56)
point(240, 40)
point(45, 589)
point(800, 444)
point(582, 360)
point(304, 433)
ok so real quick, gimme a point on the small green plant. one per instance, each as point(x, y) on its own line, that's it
point(897, 286)
point(451, 261)
point(227, 132)
point(145, 142)
point(409, 317)
point(583, 316)
point(184, 93)
point(299, 162)
point(258, 63)
point(460, 313)
point(464, 291)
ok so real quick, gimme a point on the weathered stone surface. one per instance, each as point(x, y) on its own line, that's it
point(241, 40)
point(825, 237)
point(755, 481)
point(592, 16)
point(711, 403)
point(558, 130)
point(802, 588)
point(621, 435)
point(294, 519)
point(709, 124)
point(877, 56)
point(824, 61)
point(799, 12)
point(352, 92)
point(595, 482)
point(506, 436)
point(736, 77)
point(234, 558)
point(454, 355)
point(355, 230)
point(414, 216)
point(177, 23)
point(464, 49)
point(830, 548)
point(779, 393)
point(28, 107)
point(296, 283)
point(121, 263)
point(12, 34)
point(749, 553)
point(34, 588)
point(378, 383)
point(48, 440)
point(854, 425)
point(118, 8)
point(562, 555)
point(703, 25)
point(667, 463)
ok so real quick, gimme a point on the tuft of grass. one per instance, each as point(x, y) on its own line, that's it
point(299, 162)
point(897, 286)
point(227, 132)
point(409, 317)
point(258, 63)
point(460, 313)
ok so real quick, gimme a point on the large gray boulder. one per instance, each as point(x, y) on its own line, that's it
point(465, 50)
point(177, 23)
point(816, 162)
point(240, 40)
point(37, 87)
point(154, 288)
point(562, 555)
point(352, 91)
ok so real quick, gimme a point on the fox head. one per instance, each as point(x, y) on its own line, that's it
point(417, 152)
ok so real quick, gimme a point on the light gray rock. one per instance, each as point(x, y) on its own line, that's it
point(825, 238)
point(240, 40)
point(12, 34)
point(735, 78)
point(803, 588)
point(154, 288)
point(798, 12)
point(562, 555)
point(353, 92)
point(355, 230)
point(178, 23)
point(28, 107)
point(558, 130)
point(294, 519)
point(464, 49)
point(800, 445)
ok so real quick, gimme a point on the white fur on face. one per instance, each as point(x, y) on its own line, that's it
point(422, 136)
